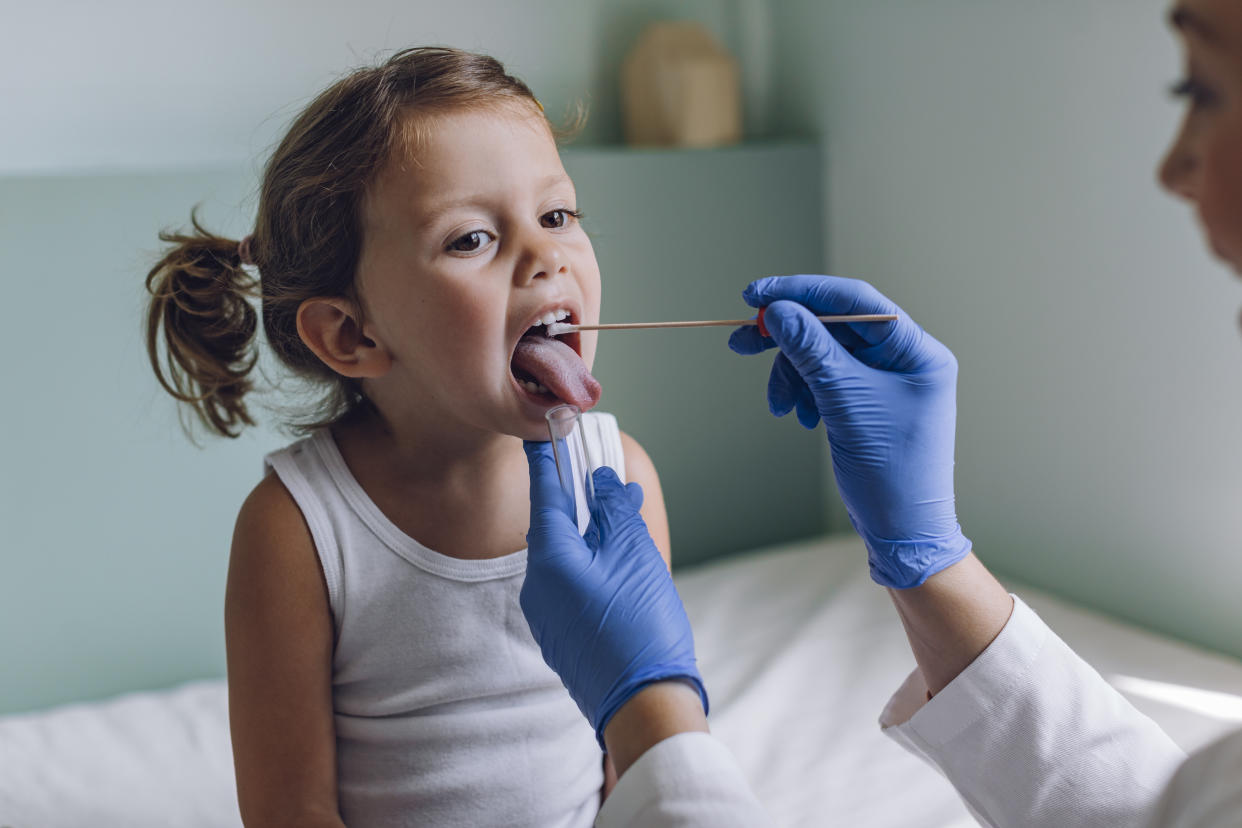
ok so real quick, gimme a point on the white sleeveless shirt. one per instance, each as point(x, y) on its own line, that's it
point(445, 711)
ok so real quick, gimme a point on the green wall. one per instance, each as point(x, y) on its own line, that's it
point(678, 235)
point(118, 528)
point(991, 166)
point(222, 90)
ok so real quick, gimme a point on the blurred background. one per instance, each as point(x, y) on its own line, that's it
point(988, 166)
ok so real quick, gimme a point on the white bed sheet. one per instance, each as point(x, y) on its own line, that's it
point(799, 650)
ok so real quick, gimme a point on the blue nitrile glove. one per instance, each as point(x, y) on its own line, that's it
point(886, 392)
point(603, 607)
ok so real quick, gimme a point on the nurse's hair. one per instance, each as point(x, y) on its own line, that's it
point(307, 237)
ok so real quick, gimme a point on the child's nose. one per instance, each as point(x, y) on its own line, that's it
point(541, 258)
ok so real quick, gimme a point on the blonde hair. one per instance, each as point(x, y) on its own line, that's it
point(307, 237)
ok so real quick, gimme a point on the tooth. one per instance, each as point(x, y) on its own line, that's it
point(561, 314)
point(542, 390)
point(549, 318)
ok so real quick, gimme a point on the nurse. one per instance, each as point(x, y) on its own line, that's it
point(1027, 732)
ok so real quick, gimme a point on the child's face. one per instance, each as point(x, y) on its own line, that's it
point(468, 241)
point(1204, 165)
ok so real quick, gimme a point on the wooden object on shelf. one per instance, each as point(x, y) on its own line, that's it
point(679, 87)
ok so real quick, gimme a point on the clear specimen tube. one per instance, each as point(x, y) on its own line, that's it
point(569, 447)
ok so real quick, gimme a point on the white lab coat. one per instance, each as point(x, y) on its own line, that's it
point(1029, 734)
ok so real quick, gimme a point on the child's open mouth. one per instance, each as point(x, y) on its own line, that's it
point(551, 369)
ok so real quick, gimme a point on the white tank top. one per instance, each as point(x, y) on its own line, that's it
point(445, 711)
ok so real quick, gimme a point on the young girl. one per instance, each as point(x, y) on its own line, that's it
point(416, 230)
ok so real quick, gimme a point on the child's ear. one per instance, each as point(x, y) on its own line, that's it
point(330, 328)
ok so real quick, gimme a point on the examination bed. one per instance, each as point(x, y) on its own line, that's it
point(799, 650)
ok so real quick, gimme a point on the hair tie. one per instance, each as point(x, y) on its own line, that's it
point(243, 250)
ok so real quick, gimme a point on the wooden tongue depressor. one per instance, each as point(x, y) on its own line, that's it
point(558, 328)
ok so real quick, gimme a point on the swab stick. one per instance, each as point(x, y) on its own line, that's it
point(558, 328)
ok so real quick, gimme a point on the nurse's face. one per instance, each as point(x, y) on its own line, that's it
point(1204, 165)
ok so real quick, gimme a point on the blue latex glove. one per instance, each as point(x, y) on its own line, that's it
point(603, 607)
point(886, 392)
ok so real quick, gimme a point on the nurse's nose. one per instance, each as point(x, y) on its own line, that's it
point(1178, 169)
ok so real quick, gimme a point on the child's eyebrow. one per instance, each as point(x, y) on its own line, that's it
point(555, 179)
point(433, 214)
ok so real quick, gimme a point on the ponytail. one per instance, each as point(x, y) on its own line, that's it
point(199, 293)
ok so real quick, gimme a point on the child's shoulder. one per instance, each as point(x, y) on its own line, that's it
point(272, 562)
point(270, 516)
point(270, 522)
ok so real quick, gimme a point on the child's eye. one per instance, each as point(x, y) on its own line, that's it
point(1198, 93)
point(471, 242)
point(559, 218)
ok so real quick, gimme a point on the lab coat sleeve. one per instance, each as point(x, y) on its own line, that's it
point(688, 780)
point(1206, 791)
point(1030, 735)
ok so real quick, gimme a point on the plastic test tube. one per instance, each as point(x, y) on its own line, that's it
point(564, 421)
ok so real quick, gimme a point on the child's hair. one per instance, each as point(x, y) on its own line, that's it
point(307, 236)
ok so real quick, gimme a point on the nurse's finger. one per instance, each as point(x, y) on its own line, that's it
point(833, 295)
point(546, 494)
point(900, 345)
point(747, 340)
point(784, 386)
point(813, 353)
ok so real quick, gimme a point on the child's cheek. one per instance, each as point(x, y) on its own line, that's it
point(588, 341)
point(591, 289)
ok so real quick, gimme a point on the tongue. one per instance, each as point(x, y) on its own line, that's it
point(557, 367)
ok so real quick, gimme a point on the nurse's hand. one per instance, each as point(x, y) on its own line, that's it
point(886, 392)
point(603, 607)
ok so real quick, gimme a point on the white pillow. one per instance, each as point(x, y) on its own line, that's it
point(143, 759)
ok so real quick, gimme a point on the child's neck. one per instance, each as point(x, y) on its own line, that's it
point(463, 495)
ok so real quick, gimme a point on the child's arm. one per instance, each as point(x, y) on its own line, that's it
point(639, 469)
point(279, 633)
